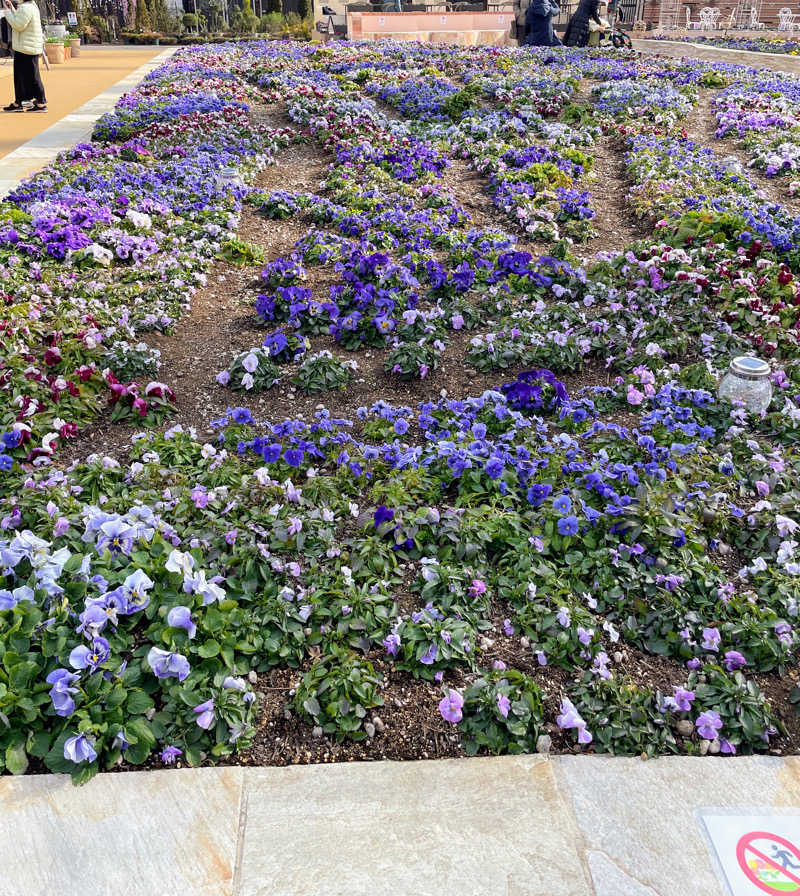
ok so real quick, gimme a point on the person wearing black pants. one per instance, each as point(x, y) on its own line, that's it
point(27, 43)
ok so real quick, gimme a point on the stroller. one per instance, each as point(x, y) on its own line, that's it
point(615, 37)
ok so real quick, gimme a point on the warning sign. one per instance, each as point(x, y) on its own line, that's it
point(756, 854)
point(770, 862)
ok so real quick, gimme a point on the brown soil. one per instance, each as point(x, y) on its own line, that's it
point(613, 222)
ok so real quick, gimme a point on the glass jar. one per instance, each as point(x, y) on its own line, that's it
point(747, 381)
point(229, 177)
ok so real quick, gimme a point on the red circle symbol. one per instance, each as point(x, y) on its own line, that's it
point(778, 873)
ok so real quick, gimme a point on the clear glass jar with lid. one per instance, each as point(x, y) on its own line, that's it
point(747, 381)
point(229, 177)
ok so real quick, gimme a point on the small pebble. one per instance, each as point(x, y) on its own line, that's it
point(724, 549)
point(685, 728)
point(370, 729)
point(617, 656)
point(544, 743)
point(377, 721)
point(287, 713)
point(316, 731)
point(524, 642)
point(714, 747)
point(704, 745)
point(252, 676)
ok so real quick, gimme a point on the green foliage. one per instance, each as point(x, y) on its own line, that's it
point(502, 713)
point(322, 372)
point(241, 253)
point(746, 715)
point(336, 693)
point(143, 21)
point(245, 20)
point(623, 718)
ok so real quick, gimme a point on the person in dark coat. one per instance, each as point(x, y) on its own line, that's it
point(539, 24)
point(577, 33)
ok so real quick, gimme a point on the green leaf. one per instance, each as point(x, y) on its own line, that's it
point(141, 730)
point(209, 649)
point(193, 755)
point(312, 707)
point(228, 657)
point(16, 758)
point(39, 744)
point(137, 753)
point(138, 703)
point(84, 773)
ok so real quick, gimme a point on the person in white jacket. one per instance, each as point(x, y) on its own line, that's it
point(27, 42)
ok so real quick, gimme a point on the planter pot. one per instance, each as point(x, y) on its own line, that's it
point(67, 52)
point(56, 30)
point(55, 53)
point(75, 47)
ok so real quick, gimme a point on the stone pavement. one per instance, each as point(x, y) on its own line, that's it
point(778, 62)
point(509, 826)
point(75, 127)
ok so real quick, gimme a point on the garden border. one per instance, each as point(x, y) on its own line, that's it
point(779, 62)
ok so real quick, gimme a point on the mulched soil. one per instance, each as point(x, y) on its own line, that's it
point(701, 125)
point(222, 322)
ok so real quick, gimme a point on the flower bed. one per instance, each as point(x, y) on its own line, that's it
point(574, 538)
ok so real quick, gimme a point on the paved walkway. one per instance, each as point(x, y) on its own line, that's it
point(68, 86)
point(778, 62)
point(510, 826)
point(32, 141)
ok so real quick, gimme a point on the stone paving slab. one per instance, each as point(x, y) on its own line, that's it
point(171, 833)
point(508, 826)
point(641, 822)
point(447, 828)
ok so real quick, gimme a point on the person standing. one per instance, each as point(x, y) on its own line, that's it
point(539, 24)
point(577, 33)
point(27, 42)
point(598, 31)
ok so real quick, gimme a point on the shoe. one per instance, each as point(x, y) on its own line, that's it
point(13, 107)
point(37, 108)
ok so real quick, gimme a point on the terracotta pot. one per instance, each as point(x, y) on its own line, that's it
point(75, 47)
point(67, 52)
point(55, 53)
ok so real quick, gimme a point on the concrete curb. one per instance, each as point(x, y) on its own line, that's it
point(779, 62)
point(503, 826)
point(71, 129)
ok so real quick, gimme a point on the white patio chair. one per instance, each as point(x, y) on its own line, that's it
point(689, 23)
point(707, 18)
point(755, 25)
point(787, 20)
